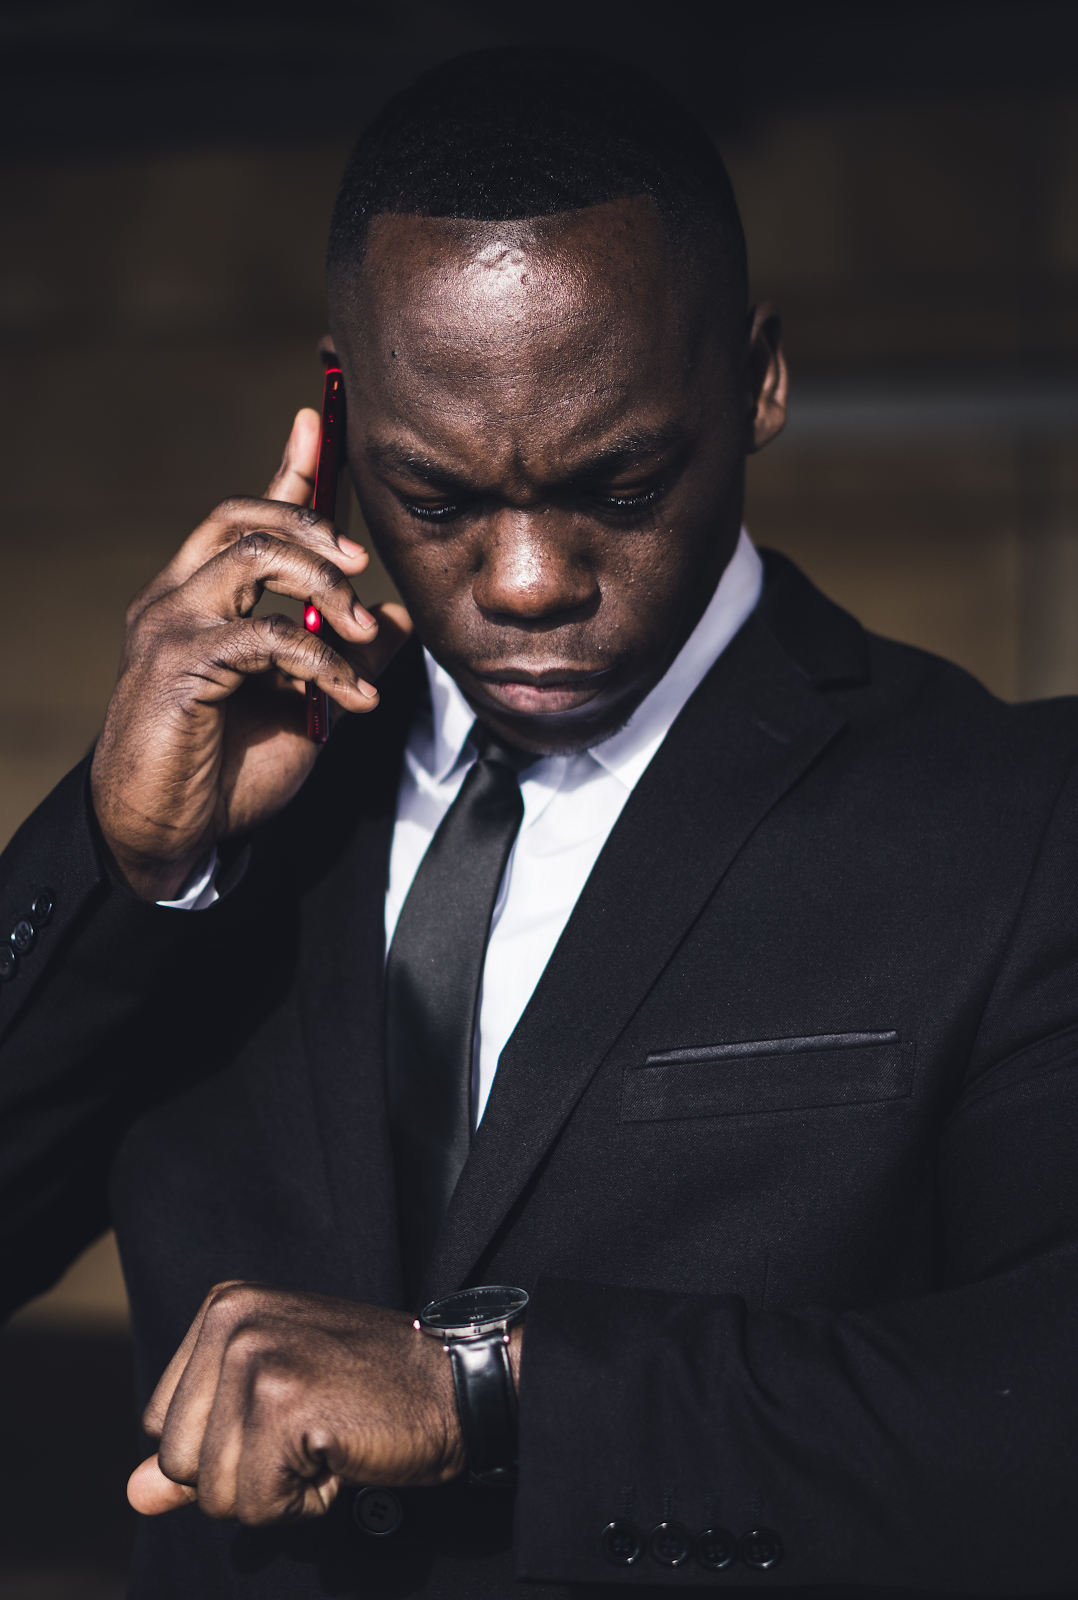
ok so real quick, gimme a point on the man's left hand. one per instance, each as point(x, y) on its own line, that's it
point(275, 1399)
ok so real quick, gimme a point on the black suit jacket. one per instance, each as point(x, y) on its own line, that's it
point(783, 1145)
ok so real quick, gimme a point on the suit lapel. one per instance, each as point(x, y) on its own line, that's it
point(743, 739)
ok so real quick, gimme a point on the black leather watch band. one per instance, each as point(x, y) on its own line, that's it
point(487, 1405)
point(473, 1325)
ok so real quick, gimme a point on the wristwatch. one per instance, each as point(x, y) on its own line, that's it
point(474, 1325)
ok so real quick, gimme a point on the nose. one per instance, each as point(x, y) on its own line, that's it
point(532, 568)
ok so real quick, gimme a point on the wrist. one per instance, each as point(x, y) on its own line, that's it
point(149, 880)
point(147, 876)
point(448, 1443)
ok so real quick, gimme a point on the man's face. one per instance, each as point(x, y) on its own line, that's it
point(546, 433)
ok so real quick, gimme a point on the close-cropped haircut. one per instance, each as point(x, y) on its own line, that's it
point(511, 133)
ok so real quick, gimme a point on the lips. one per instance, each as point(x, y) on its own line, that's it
point(544, 692)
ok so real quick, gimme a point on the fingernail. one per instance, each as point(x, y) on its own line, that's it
point(366, 690)
point(364, 618)
point(348, 547)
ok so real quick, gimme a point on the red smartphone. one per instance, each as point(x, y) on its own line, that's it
point(330, 462)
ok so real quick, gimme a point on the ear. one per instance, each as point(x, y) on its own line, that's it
point(327, 350)
point(766, 379)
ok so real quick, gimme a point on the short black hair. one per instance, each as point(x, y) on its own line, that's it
point(517, 132)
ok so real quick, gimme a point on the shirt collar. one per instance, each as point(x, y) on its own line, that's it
point(453, 719)
point(626, 753)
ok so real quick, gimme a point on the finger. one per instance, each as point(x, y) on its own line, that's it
point(394, 629)
point(235, 1429)
point(194, 1397)
point(266, 1456)
point(153, 1418)
point(294, 479)
point(229, 522)
point(151, 1493)
point(230, 653)
point(233, 582)
point(253, 1457)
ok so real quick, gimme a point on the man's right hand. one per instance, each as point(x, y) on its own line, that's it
point(205, 734)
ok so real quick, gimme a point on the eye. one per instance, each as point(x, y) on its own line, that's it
point(632, 502)
point(444, 513)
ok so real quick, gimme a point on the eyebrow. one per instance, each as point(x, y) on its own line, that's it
point(400, 458)
point(630, 450)
point(613, 457)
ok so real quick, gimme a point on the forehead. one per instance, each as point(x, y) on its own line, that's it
point(460, 287)
point(578, 319)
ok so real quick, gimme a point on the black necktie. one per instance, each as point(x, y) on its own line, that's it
point(432, 988)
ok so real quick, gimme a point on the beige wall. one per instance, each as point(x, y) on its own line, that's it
point(939, 243)
point(158, 320)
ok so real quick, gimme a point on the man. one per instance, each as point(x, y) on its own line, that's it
point(730, 1008)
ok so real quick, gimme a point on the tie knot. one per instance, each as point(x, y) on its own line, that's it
point(492, 748)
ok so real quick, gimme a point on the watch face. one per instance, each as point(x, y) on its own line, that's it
point(475, 1309)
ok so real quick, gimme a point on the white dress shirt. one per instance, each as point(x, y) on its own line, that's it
point(570, 805)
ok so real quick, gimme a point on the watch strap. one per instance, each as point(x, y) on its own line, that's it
point(487, 1405)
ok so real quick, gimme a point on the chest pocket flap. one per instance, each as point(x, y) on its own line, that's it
point(729, 1080)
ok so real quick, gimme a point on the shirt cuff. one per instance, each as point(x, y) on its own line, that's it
point(200, 890)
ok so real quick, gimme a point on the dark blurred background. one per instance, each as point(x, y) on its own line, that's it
point(908, 175)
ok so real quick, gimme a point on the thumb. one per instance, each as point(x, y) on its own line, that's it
point(150, 1492)
point(294, 479)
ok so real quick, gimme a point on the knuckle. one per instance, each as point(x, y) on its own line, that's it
point(234, 1294)
point(253, 546)
point(275, 1389)
point(228, 1286)
point(276, 629)
point(331, 577)
point(249, 1345)
point(229, 1303)
point(231, 508)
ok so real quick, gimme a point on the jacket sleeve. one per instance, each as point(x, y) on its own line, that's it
point(928, 1444)
point(82, 1048)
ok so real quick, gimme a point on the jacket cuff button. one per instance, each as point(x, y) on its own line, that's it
point(377, 1511)
point(8, 963)
point(670, 1544)
point(22, 936)
point(41, 908)
point(621, 1542)
point(716, 1549)
point(762, 1548)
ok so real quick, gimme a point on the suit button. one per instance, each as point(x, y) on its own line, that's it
point(22, 936)
point(670, 1544)
point(762, 1548)
point(41, 908)
point(621, 1542)
point(7, 963)
point(378, 1511)
point(716, 1549)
